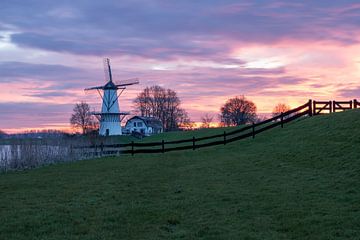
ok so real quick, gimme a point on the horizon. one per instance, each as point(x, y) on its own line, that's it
point(269, 51)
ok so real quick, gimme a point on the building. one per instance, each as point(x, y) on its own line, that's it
point(144, 125)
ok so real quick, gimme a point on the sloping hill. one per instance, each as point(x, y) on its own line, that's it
point(300, 182)
point(176, 135)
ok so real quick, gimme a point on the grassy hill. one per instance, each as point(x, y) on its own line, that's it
point(170, 136)
point(300, 182)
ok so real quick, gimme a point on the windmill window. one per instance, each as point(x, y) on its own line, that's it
point(140, 124)
point(134, 124)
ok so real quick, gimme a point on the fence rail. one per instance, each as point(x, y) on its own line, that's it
point(250, 131)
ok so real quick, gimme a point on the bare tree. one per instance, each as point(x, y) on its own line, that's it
point(237, 111)
point(206, 120)
point(280, 108)
point(82, 118)
point(163, 104)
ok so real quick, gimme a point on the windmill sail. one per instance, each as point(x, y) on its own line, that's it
point(107, 70)
point(127, 82)
point(94, 88)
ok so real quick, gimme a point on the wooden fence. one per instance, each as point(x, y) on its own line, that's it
point(249, 131)
point(320, 107)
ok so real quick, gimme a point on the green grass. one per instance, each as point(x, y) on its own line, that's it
point(171, 136)
point(300, 182)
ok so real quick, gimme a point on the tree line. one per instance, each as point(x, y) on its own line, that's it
point(165, 105)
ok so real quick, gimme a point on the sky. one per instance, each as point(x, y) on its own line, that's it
point(206, 50)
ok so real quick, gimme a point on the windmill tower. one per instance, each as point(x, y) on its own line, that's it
point(110, 116)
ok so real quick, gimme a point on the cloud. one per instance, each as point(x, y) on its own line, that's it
point(26, 115)
point(146, 48)
point(43, 71)
point(47, 76)
point(350, 92)
point(232, 84)
point(49, 94)
point(156, 29)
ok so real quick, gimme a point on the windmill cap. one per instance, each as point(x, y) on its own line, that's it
point(110, 85)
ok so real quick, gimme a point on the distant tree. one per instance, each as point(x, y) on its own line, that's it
point(206, 120)
point(188, 126)
point(163, 104)
point(280, 108)
point(82, 118)
point(184, 122)
point(2, 134)
point(237, 111)
point(183, 119)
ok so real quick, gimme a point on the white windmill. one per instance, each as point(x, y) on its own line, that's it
point(110, 116)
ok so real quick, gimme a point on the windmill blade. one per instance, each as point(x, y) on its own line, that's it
point(107, 70)
point(127, 82)
point(94, 88)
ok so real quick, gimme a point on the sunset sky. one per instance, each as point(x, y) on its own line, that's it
point(206, 50)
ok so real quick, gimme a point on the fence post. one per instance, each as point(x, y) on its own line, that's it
point(193, 140)
point(163, 146)
point(101, 148)
point(314, 107)
point(282, 120)
point(331, 108)
point(355, 103)
point(224, 137)
point(132, 148)
point(253, 130)
point(310, 108)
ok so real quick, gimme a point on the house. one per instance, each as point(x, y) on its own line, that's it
point(144, 125)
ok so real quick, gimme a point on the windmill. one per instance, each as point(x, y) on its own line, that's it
point(110, 116)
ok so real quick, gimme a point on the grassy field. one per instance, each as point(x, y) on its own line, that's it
point(300, 182)
point(170, 136)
